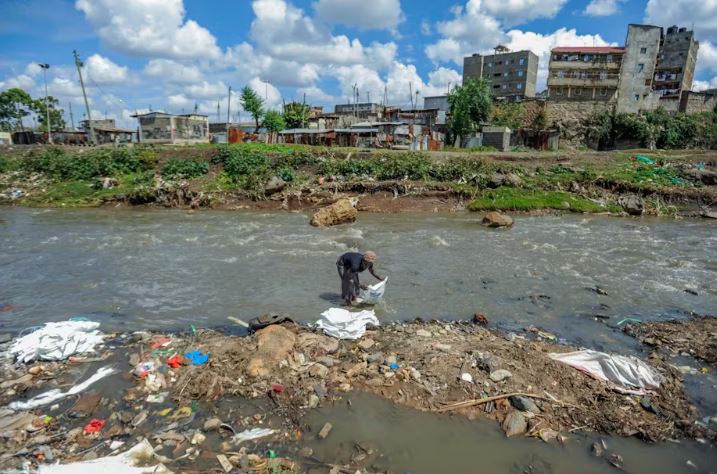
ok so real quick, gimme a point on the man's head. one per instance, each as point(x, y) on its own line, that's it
point(369, 256)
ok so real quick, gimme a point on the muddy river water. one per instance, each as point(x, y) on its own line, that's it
point(149, 269)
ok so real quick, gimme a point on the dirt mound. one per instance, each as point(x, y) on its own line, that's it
point(695, 336)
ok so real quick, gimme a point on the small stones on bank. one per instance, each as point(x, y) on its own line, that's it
point(524, 404)
point(500, 375)
point(423, 333)
point(212, 424)
point(325, 430)
point(515, 424)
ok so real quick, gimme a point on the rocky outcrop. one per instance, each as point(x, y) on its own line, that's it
point(274, 185)
point(500, 179)
point(496, 219)
point(340, 212)
point(632, 204)
point(273, 344)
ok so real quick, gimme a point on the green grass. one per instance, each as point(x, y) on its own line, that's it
point(521, 199)
point(78, 193)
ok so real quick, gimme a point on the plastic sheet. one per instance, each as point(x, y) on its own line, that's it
point(374, 293)
point(343, 324)
point(629, 374)
point(126, 463)
point(57, 341)
point(252, 434)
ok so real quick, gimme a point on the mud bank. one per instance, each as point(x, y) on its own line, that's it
point(695, 337)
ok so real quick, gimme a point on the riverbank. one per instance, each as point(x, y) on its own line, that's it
point(303, 178)
point(193, 408)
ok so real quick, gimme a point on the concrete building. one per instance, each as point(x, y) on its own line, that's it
point(642, 47)
point(511, 75)
point(359, 109)
point(676, 63)
point(439, 102)
point(584, 73)
point(160, 127)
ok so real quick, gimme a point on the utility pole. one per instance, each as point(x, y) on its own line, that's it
point(219, 118)
point(72, 118)
point(368, 97)
point(45, 67)
point(79, 65)
point(229, 107)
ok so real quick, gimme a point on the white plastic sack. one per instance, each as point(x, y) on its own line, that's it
point(343, 324)
point(373, 294)
point(57, 341)
point(122, 463)
point(252, 434)
point(623, 371)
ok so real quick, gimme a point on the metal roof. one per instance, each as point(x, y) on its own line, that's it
point(589, 49)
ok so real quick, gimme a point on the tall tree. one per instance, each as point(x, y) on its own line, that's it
point(273, 121)
point(470, 106)
point(296, 115)
point(252, 103)
point(15, 104)
point(40, 107)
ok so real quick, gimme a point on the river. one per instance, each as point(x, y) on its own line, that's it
point(159, 269)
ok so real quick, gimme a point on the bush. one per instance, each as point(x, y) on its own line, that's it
point(286, 173)
point(59, 165)
point(7, 164)
point(187, 169)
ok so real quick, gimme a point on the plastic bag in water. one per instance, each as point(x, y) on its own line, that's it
point(374, 293)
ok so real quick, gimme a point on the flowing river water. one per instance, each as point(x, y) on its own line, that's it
point(151, 269)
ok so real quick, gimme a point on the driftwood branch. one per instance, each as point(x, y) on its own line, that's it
point(481, 401)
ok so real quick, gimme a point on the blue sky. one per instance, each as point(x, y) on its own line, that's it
point(174, 54)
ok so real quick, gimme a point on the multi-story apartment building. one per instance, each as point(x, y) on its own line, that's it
point(639, 63)
point(511, 75)
point(676, 63)
point(584, 73)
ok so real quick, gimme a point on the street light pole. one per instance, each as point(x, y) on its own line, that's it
point(45, 67)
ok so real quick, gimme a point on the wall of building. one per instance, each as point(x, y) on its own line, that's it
point(568, 116)
point(155, 129)
point(639, 62)
point(505, 73)
point(696, 102)
point(437, 102)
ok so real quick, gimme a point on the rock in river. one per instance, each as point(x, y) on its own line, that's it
point(496, 219)
point(632, 204)
point(340, 212)
point(514, 424)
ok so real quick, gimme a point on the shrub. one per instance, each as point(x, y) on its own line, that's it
point(286, 173)
point(57, 164)
point(187, 169)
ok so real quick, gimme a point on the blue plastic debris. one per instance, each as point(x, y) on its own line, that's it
point(197, 358)
point(394, 366)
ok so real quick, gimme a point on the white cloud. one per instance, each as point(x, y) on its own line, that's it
point(602, 7)
point(707, 57)
point(704, 85)
point(65, 88)
point(270, 94)
point(103, 71)
point(315, 95)
point(426, 28)
point(33, 69)
point(22, 81)
point(153, 28)
point(207, 90)
point(173, 71)
point(702, 13)
point(376, 14)
point(516, 12)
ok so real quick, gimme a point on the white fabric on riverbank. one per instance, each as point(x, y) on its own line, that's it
point(374, 294)
point(57, 341)
point(343, 324)
point(52, 395)
point(625, 372)
point(125, 463)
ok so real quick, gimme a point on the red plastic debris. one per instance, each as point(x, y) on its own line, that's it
point(94, 426)
point(277, 388)
point(5, 308)
point(481, 319)
point(160, 342)
point(175, 361)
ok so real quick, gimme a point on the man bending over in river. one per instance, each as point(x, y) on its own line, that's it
point(350, 265)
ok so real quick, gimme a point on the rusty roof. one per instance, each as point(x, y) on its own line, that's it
point(589, 49)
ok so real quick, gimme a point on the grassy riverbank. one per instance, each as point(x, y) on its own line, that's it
point(241, 175)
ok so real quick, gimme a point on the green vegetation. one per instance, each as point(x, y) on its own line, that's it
point(15, 104)
point(507, 114)
point(470, 106)
point(522, 199)
point(654, 129)
point(186, 169)
point(56, 163)
point(253, 104)
point(274, 121)
point(296, 115)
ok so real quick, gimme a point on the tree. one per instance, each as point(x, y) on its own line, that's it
point(273, 121)
point(40, 107)
point(252, 103)
point(508, 114)
point(296, 115)
point(470, 106)
point(15, 104)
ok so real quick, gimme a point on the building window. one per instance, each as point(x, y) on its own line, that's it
point(519, 86)
point(505, 86)
point(497, 86)
point(608, 58)
point(586, 57)
point(640, 67)
point(561, 74)
point(603, 75)
point(578, 91)
point(505, 74)
point(522, 61)
point(603, 92)
point(490, 64)
point(643, 50)
point(558, 91)
point(637, 97)
point(497, 74)
point(498, 63)
point(520, 73)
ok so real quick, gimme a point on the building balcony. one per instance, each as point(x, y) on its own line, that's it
point(595, 65)
point(588, 82)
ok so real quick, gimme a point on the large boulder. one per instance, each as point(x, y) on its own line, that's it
point(496, 219)
point(273, 344)
point(340, 212)
point(632, 204)
point(514, 424)
point(274, 185)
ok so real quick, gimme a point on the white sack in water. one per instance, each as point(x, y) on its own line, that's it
point(343, 324)
point(122, 463)
point(55, 394)
point(57, 341)
point(624, 371)
point(374, 293)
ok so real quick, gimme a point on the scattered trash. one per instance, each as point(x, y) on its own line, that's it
point(175, 361)
point(125, 463)
point(143, 369)
point(277, 388)
point(466, 377)
point(265, 320)
point(394, 366)
point(55, 394)
point(5, 308)
point(57, 341)
point(197, 358)
point(344, 324)
point(481, 319)
point(252, 434)
point(373, 294)
point(627, 373)
point(644, 159)
point(157, 397)
point(94, 426)
point(325, 430)
point(629, 320)
point(646, 404)
point(181, 412)
point(160, 342)
point(226, 465)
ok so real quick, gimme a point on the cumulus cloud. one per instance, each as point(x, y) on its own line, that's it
point(707, 57)
point(516, 12)
point(103, 71)
point(704, 85)
point(151, 28)
point(22, 81)
point(207, 90)
point(172, 71)
point(684, 13)
point(378, 14)
point(267, 91)
point(602, 7)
